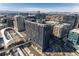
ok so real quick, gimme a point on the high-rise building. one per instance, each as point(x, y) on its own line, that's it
point(61, 30)
point(38, 33)
point(73, 37)
point(19, 23)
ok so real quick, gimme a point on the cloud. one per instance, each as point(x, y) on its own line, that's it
point(52, 9)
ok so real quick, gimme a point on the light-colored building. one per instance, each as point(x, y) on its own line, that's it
point(19, 22)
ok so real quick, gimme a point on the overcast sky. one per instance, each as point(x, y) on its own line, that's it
point(44, 7)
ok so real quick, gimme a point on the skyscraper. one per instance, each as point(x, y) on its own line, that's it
point(19, 22)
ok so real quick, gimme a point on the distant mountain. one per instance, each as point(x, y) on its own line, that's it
point(8, 11)
point(34, 12)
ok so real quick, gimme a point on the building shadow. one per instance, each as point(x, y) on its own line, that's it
point(58, 45)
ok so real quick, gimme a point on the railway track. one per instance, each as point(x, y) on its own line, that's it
point(22, 52)
point(30, 51)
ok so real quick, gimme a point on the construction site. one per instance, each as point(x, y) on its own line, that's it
point(39, 35)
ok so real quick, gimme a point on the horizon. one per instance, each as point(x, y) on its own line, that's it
point(43, 7)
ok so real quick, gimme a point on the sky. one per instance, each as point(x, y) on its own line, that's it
point(43, 7)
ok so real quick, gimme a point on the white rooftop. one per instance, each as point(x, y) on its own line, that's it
point(75, 30)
